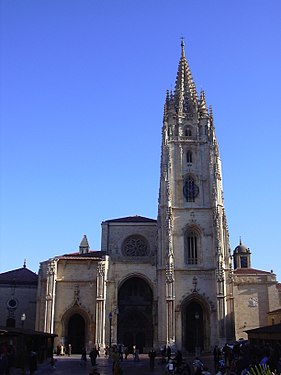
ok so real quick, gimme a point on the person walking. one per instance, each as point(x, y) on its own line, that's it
point(83, 357)
point(93, 356)
point(152, 356)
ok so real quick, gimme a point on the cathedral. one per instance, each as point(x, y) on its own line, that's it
point(170, 280)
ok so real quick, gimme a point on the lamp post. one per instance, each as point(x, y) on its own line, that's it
point(197, 349)
point(110, 324)
point(22, 318)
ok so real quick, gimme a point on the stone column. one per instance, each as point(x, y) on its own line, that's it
point(50, 296)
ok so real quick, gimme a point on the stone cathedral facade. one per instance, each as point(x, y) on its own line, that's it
point(165, 281)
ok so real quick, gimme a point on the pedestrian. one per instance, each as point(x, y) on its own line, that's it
point(32, 362)
point(178, 359)
point(115, 358)
point(152, 355)
point(169, 353)
point(93, 356)
point(126, 352)
point(83, 357)
point(217, 356)
point(197, 366)
point(170, 367)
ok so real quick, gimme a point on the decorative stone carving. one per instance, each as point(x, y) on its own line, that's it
point(253, 302)
point(169, 273)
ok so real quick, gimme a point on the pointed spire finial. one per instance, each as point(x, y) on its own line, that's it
point(24, 263)
point(240, 242)
point(202, 105)
point(84, 245)
point(182, 47)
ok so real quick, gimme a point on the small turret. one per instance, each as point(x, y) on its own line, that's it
point(203, 111)
point(84, 245)
point(242, 256)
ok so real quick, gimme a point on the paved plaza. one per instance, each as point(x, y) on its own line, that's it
point(72, 365)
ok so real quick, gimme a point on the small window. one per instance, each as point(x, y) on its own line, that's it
point(189, 156)
point(192, 247)
point(188, 132)
point(244, 262)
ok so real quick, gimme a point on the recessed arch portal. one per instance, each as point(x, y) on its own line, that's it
point(135, 324)
point(195, 322)
point(76, 333)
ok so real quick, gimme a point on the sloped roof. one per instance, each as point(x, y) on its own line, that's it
point(276, 328)
point(90, 254)
point(275, 311)
point(250, 271)
point(131, 219)
point(20, 276)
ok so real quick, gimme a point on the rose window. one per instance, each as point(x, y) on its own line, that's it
point(135, 247)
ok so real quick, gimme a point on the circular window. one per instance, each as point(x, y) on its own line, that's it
point(12, 303)
point(135, 246)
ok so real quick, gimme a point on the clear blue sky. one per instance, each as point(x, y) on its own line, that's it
point(82, 92)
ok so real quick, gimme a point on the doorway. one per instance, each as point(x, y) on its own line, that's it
point(76, 333)
point(193, 327)
point(134, 321)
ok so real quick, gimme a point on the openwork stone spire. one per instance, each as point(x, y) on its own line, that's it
point(185, 95)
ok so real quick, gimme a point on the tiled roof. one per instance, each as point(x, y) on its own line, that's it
point(20, 276)
point(90, 254)
point(131, 219)
point(250, 271)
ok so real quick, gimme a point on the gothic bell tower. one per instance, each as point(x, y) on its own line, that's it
point(195, 305)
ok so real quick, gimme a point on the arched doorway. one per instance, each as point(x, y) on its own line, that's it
point(76, 333)
point(134, 322)
point(193, 326)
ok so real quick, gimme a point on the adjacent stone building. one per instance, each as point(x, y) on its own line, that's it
point(18, 290)
point(165, 281)
point(256, 293)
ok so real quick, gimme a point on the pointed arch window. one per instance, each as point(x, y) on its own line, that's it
point(190, 189)
point(189, 157)
point(188, 132)
point(192, 243)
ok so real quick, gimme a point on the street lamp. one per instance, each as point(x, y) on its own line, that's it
point(110, 323)
point(196, 316)
point(22, 318)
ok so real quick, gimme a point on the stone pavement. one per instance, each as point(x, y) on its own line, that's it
point(72, 365)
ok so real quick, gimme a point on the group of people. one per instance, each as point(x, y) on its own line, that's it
point(242, 357)
point(62, 350)
point(173, 365)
